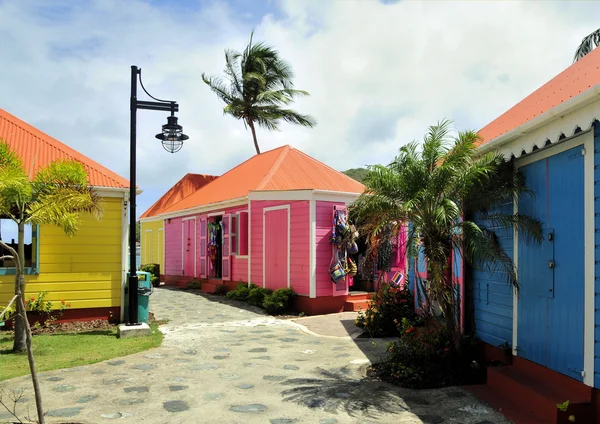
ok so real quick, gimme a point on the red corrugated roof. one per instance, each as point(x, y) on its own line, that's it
point(189, 184)
point(577, 78)
point(281, 169)
point(38, 149)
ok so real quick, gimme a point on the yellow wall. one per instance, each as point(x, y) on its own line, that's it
point(152, 241)
point(84, 270)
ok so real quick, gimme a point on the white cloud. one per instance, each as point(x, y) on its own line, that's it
point(378, 74)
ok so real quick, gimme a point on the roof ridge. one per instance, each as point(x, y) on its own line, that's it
point(216, 177)
point(276, 164)
point(327, 166)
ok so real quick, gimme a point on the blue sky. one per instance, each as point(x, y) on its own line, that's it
point(379, 72)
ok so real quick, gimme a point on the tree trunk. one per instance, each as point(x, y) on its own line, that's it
point(251, 125)
point(20, 343)
point(34, 377)
point(22, 318)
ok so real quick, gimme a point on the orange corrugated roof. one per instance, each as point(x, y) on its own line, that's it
point(183, 188)
point(577, 78)
point(282, 169)
point(37, 149)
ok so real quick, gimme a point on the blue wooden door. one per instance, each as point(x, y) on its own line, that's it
point(550, 311)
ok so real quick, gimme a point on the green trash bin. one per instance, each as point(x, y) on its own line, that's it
point(145, 289)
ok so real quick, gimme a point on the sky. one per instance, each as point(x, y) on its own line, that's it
point(379, 72)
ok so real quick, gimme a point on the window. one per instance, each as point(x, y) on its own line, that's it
point(239, 233)
point(9, 235)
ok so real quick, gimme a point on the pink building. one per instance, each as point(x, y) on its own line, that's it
point(268, 221)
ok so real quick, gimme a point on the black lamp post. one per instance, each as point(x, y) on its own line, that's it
point(172, 137)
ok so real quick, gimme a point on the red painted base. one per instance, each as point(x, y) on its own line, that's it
point(526, 392)
point(319, 305)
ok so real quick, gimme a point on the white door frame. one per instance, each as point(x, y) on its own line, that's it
point(587, 140)
point(289, 226)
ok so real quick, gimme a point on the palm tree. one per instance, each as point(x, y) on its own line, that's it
point(588, 44)
point(257, 87)
point(450, 196)
point(57, 195)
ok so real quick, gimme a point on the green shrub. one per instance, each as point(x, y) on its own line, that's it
point(240, 292)
point(389, 306)
point(194, 284)
point(256, 296)
point(425, 358)
point(153, 269)
point(155, 281)
point(221, 290)
point(279, 301)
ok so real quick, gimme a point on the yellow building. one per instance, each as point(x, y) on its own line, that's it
point(152, 235)
point(88, 270)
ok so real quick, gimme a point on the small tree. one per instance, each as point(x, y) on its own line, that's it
point(57, 194)
point(258, 87)
point(439, 187)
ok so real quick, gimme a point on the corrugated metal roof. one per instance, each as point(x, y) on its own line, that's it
point(281, 169)
point(38, 149)
point(189, 184)
point(577, 78)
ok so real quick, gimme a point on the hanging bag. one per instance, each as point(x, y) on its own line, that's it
point(336, 269)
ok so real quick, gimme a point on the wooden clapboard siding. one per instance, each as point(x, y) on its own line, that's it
point(84, 270)
point(152, 243)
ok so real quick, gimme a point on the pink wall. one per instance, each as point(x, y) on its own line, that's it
point(324, 224)
point(173, 260)
point(299, 241)
point(173, 236)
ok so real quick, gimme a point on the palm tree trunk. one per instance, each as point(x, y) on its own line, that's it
point(251, 125)
point(20, 342)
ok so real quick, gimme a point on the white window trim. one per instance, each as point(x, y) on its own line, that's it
point(587, 140)
point(237, 234)
point(289, 224)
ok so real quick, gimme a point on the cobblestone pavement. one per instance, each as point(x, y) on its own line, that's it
point(223, 362)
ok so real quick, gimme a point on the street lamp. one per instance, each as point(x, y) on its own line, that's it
point(172, 137)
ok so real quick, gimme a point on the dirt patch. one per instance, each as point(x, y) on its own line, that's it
point(74, 327)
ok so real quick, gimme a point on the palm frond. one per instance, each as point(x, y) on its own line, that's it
point(589, 43)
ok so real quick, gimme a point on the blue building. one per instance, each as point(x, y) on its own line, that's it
point(552, 323)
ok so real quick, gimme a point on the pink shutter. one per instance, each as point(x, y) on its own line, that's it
point(226, 250)
point(202, 252)
point(243, 234)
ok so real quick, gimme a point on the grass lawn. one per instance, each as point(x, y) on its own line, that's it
point(56, 351)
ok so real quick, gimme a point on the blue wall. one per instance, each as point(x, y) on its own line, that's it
point(597, 253)
point(493, 295)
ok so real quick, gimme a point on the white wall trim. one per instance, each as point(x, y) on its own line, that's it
point(589, 262)
point(219, 213)
point(249, 243)
point(124, 247)
point(586, 139)
point(112, 192)
point(240, 201)
point(312, 254)
point(289, 225)
point(291, 195)
point(515, 314)
point(161, 260)
point(187, 218)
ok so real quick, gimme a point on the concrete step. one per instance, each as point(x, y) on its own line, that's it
point(352, 305)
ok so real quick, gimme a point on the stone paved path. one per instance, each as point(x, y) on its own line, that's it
point(225, 363)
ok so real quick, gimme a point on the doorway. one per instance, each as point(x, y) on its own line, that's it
point(215, 247)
